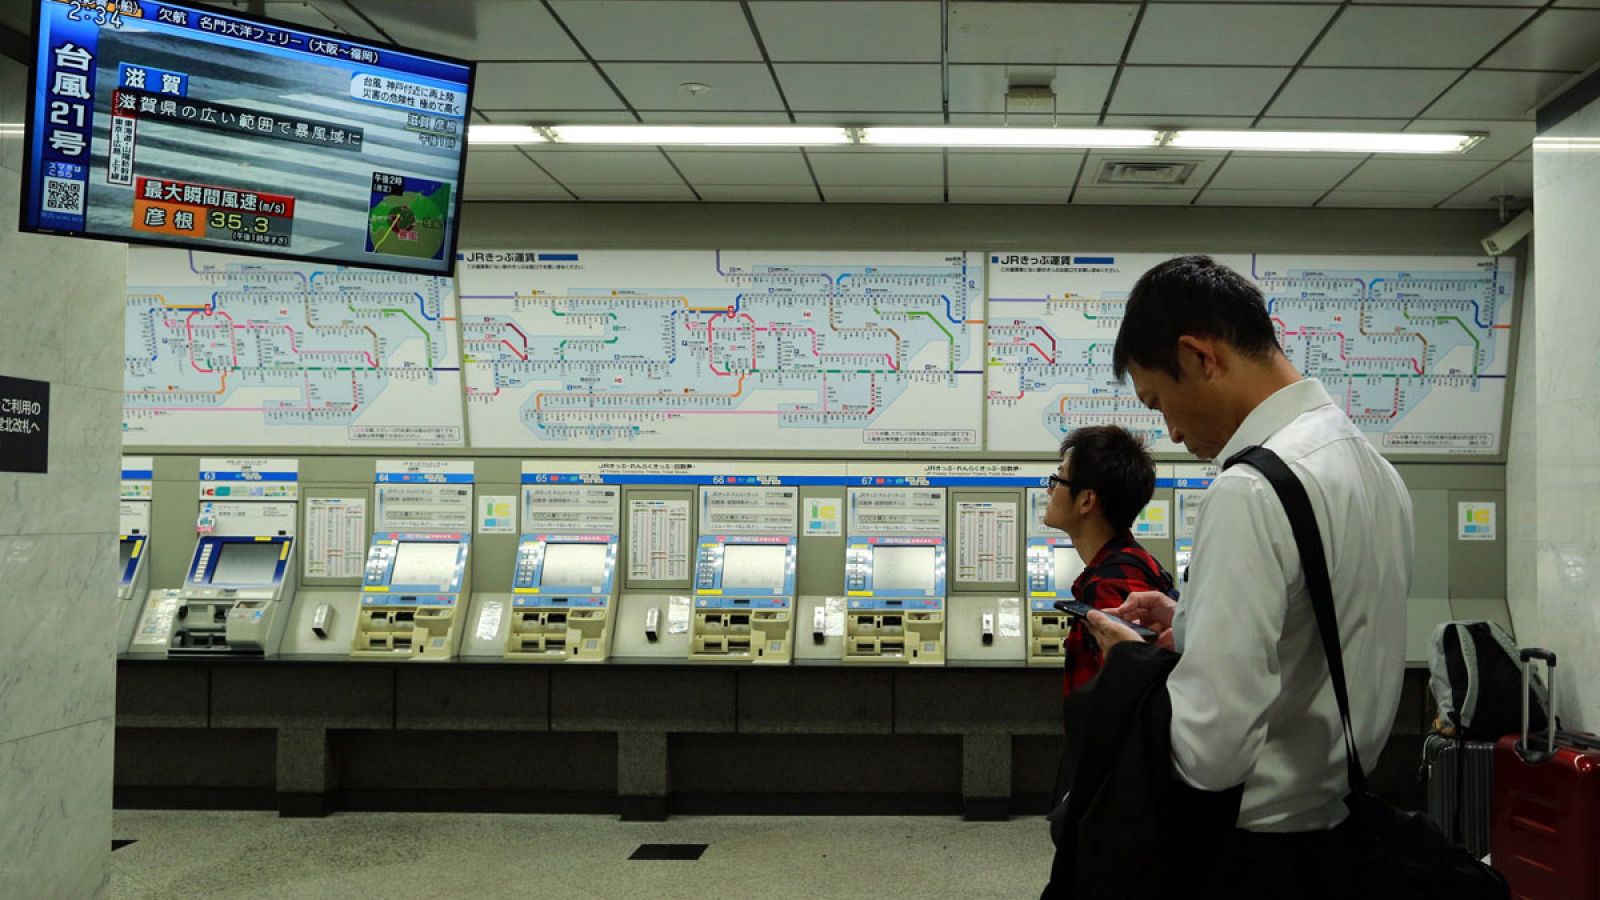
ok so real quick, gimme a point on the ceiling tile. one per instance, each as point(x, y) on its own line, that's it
point(1079, 89)
point(482, 190)
point(559, 116)
point(649, 30)
point(883, 194)
point(1416, 175)
point(503, 166)
point(757, 193)
point(571, 166)
point(344, 17)
point(769, 167)
point(542, 86)
point(715, 117)
point(1415, 37)
point(1566, 40)
point(1450, 2)
point(1505, 139)
point(997, 120)
point(1034, 171)
point(1360, 93)
point(997, 194)
point(1381, 199)
point(1253, 2)
point(297, 11)
point(869, 118)
point(1118, 196)
point(1205, 165)
point(1179, 121)
point(482, 29)
point(1208, 34)
point(1578, 4)
point(1496, 95)
point(1294, 173)
point(1514, 179)
point(1039, 33)
point(877, 167)
point(906, 87)
point(1159, 90)
point(1330, 123)
point(798, 30)
point(1213, 196)
point(640, 192)
point(733, 85)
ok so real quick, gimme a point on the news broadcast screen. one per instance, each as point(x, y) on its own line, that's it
point(186, 126)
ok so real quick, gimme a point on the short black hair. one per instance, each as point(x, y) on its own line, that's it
point(1113, 462)
point(1196, 296)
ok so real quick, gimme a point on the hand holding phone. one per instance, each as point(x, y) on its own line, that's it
point(1080, 611)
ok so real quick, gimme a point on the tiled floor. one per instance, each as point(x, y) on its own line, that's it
point(249, 854)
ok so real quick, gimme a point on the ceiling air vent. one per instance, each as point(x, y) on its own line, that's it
point(1146, 172)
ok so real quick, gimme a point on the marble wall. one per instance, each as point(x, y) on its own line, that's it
point(1566, 172)
point(1521, 520)
point(60, 307)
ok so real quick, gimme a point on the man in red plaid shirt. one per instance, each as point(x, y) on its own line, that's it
point(1106, 478)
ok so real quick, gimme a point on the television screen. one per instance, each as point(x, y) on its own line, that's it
point(425, 563)
point(186, 126)
point(574, 565)
point(904, 569)
point(246, 564)
point(754, 567)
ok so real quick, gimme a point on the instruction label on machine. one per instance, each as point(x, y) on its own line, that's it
point(1475, 521)
point(893, 511)
point(497, 514)
point(1154, 522)
point(823, 518)
point(336, 537)
point(748, 510)
point(986, 541)
point(423, 495)
point(573, 508)
point(658, 540)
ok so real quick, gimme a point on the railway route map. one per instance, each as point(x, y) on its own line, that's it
point(235, 350)
point(1415, 349)
point(711, 350)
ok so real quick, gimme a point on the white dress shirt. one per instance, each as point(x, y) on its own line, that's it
point(1251, 698)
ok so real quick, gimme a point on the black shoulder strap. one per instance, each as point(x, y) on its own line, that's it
point(1308, 538)
point(1158, 576)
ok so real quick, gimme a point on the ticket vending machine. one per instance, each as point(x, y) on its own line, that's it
point(1053, 565)
point(133, 576)
point(242, 577)
point(561, 597)
point(743, 599)
point(411, 592)
point(895, 580)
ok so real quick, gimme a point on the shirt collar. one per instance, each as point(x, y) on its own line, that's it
point(1119, 542)
point(1274, 413)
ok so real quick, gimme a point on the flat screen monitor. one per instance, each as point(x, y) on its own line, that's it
point(904, 569)
point(574, 565)
point(246, 564)
point(124, 555)
point(754, 567)
point(207, 129)
point(1068, 565)
point(424, 562)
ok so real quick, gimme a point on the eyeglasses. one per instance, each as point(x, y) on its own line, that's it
point(1055, 479)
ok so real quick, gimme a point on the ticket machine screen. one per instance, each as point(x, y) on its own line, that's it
point(1068, 565)
point(569, 565)
point(247, 563)
point(904, 569)
point(420, 562)
point(754, 567)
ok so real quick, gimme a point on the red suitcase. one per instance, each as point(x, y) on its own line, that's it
point(1546, 833)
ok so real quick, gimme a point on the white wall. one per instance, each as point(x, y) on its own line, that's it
point(61, 307)
point(1566, 197)
point(1522, 486)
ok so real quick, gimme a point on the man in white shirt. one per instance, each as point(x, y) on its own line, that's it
point(1251, 700)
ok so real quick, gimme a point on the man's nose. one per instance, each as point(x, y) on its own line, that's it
point(1173, 431)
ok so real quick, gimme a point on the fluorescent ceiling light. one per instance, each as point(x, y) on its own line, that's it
point(1010, 137)
point(702, 135)
point(1323, 141)
point(503, 134)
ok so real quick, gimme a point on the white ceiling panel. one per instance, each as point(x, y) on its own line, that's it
point(484, 190)
point(559, 116)
point(769, 167)
point(1214, 196)
point(997, 194)
point(1496, 95)
point(1579, 4)
point(715, 117)
point(1451, 2)
point(1170, 121)
point(344, 18)
point(757, 193)
point(908, 87)
point(1206, 164)
point(877, 167)
point(573, 166)
point(1514, 179)
point(650, 30)
point(1360, 93)
point(1014, 170)
point(482, 29)
point(542, 86)
point(1120, 196)
point(1218, 34)
point(801, 31)
point(1416, 175)
point(1039, 33)
point(883, 193)
point(502, 166)
point(1314, 123)
point(636, 192)
point(1381, 199)
point(1377, 36)
point(997, 120)
point(1505, 140)
point(1079, 89)
point(1564, 40)
point(296, 11)
point(733, 85)
point(859, 117)
point(1162, 90)
point(1250, 172)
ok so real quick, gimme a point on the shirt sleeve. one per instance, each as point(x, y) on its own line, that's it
point(1228, 629)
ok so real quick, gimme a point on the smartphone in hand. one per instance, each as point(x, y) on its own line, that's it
point(1079, 610)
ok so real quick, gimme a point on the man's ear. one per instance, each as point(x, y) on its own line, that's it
point(1205, 358)
point(1088, 501)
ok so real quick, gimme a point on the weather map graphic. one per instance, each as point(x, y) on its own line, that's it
point(1415, 349)
point(223, 349)
point(719, 349)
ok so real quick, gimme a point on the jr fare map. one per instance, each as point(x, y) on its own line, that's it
point(226, 350)
point(1415, 349)
point(159, 122)
point(719, 349)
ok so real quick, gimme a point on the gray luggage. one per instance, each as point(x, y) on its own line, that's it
point(1460, 796)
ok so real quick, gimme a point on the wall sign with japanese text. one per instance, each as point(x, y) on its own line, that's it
point(24, 425)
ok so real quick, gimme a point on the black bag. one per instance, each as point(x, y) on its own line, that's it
point(1396, 854)
point(1476, 679)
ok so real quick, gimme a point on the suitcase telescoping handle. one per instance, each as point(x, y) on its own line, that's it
point(1525, 750)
